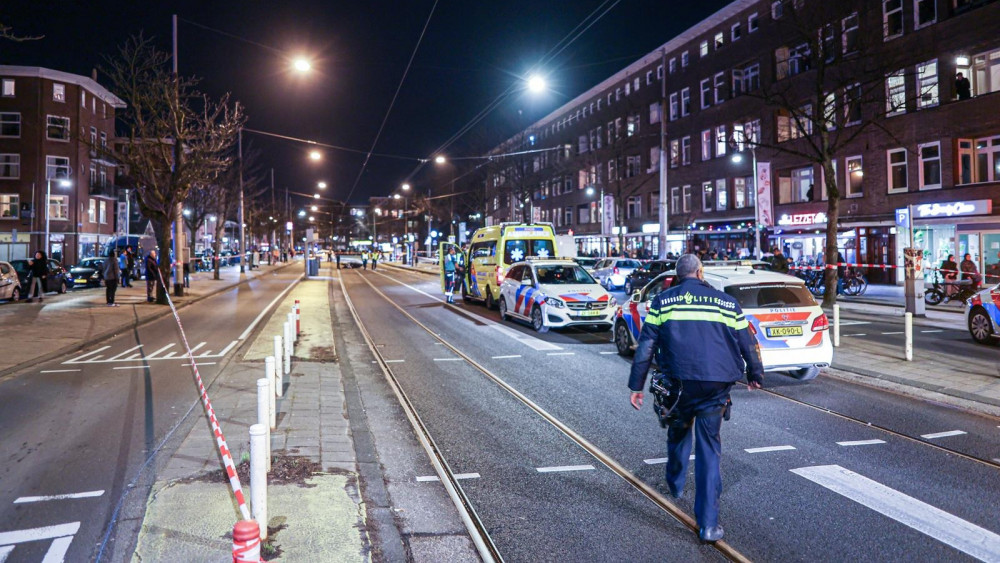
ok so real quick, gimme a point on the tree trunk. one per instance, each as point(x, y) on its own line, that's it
point(832, 218)
point(217, 248)
point(164, 240)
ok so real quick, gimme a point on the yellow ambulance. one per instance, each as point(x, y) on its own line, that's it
point(492, 250)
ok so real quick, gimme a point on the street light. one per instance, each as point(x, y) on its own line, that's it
point(395, 196)
point(301, 65)
point(315, 196)
point(536, 84)
point(321, 185)
point(63, 183)
point(313, 208)
point(439, 159)
point(405, 187)
point(315, 155)
point(737, 158)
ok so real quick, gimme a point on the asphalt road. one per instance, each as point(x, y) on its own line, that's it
point(799, 483)
point(86, 424)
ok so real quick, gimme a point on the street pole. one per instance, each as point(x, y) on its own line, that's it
point(274, 210)
point(48, 198)
point(664, 214)
point(756, 207)
point(243, 235)
point(179, 206)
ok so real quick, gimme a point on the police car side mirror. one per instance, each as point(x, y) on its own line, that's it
point(636, 296)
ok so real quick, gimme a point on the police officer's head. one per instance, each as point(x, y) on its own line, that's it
point(689, 266)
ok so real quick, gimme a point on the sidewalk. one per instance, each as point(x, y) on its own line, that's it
point(80, 317)
point(892, 295)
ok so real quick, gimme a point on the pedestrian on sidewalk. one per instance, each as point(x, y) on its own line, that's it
point(187, 273)
point(152, 274)
point(338, 260)
point(111, 272)
point(38, 270)
point(701, 340)
point(129, 267)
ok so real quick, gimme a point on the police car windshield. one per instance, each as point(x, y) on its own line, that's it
point(759, 296)
point(563, 275)
point(516, 250)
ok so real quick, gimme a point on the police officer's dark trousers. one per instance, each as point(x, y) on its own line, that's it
point(701, 407)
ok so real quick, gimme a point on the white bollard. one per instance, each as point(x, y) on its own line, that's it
point(271, 383)
point(279, 362)
point(264, 415)
point(908, 334)
point(287, 352)
point(258, 476)
point(291, 324)
point(836, 325)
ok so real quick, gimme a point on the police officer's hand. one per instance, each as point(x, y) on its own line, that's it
point(636, 400)
point(754, 385)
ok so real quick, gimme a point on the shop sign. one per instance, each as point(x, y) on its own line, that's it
point(651, 228)
point(800, 219)
point(955, 208)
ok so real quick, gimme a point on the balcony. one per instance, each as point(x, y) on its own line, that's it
point(106, 189)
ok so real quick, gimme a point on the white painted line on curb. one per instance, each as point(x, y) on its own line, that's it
point(88, 494)
point(942, 434)
point(861, 443)
point(901, 332)
point(607, 353)
point(922, 517)
point(862, 334)
point(768, 449)
point(430, 478)
point(511, 357)
point(264, 312)
point(660, 460)
point(561, 354)
point(564, 468)
point(935, 330)
point(132, 367)
point(57, 370)
point(447, 359)
point(394, 361)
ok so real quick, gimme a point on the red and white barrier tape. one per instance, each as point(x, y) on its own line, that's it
point(888, 266)
point(220, 440)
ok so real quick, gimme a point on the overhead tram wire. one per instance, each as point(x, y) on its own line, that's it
point(388, 111)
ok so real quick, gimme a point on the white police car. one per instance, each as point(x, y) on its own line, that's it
point(554, 293)
point(788, 323)
point(982, 315)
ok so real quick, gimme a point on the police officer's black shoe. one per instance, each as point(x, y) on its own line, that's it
point(711, 535)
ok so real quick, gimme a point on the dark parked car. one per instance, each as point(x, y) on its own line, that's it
point(57, 279)
point(641, 276)
point(87, 273)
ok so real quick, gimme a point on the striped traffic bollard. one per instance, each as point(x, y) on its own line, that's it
point(298, 322)
point(246, 542)
point(279, 362)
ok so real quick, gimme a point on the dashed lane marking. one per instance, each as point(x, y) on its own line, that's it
point(935, 330)
point(561, 354)
point(394, 361)
point(768, 449)
point(510, 357)
point(942, 434)
point(900, 332)
point(661, 460)
point(607, 353)
point(58, 370)
point(922, 517)
point(60, 534)
point(861, 443)
point(849, 323)
point(132, 367)
point(564, 468)
point(429, 478)
point(862, 334)
point(200, 364)
point(88, 494)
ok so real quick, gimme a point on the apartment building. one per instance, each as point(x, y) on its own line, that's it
point(52, 127)
point(934, 149)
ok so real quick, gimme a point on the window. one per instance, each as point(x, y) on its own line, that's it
point(675, 156)
point(708, 196)
point(965, 159)
point(737, 84)
point(703, 48)
point(896, 163)
point(612, 170)
point(635, 84)
point(654, 112)
point(674, 106)
point(633, 166)
point(829, 116)
point(675, 200)
point(633, 207)
point(987, 160)
point(892, 18)
point(7, 87)
point(720, 87)
point(686, 151)
point(852, 105)
point(659, 72)
point(618, 94)
point(58, 207)
point(104, 178)
point(800, 187)
point(849, 33)
point(568, 216)
point(721, 195)
point(93, 174)
point(751, 78)
point(687, 199)
point(673, 65)
point(633, 125)
point(706, 144)
point(740, 193)
point(83, 99)
point(777, 10)
point(654, 159)
point(10, 125)
point(986, 72)
point(628, 88)
point(799, 59)
point(753, 23)
point(720, 140)
point(895, 93)
point(739, 137)
point(735, 32)
point(93, 139)
point(930, 165)
point(924, 13)
point(927, 84)
point(56, 167)
point(649, 79)
point(855, 176)
point(720, 40)
point(582, 214)
point(57, 128)
point(706, 93)
point(685, 59)
point(58, 92)
point(92, 210)
point(9, 205)
point(10, 166)
point(685, 102)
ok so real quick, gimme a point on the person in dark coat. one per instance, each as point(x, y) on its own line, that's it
point(152, 275)
point(963, 87)
point(129, 267)
point(38, 267)
point(111, 272)
point(779, 262)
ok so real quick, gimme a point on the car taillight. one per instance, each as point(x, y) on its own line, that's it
point(616, 270)
point(499, 275)
point(821, 323)
point(753, 329)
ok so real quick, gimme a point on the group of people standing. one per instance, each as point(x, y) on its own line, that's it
point(118, 269)
point(374, 255)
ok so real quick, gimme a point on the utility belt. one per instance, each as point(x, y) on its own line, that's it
point(667, 391)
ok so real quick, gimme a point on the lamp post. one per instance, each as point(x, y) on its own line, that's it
point(63, 183)
point(737, 157)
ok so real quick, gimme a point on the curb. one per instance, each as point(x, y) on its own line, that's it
point(112, 332)
point(411, 269)
point(898, 306)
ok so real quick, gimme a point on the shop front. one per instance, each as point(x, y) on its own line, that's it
point(734, 236)
point(803, 239)
point(956, 228)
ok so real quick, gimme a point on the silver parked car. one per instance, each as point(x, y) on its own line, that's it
point(612, 272)
point(10, 285)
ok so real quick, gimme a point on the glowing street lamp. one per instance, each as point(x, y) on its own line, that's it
point(439, 159)
point(315, 155)
point(301, 65)
point(302, 213)
point(405, 187)
point(313, 208)
point(315, 196)
point(321, 185)
point(536, 84)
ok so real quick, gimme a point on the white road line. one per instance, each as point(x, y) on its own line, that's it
point(900, 332)
point(88, 494)
point(768, 449)
point(447, 359)
point(199, 345)
point(861, 443)
point(263, 312)
point(227, 348)
point(164, 349)
point(5, 551)
point(862, 334)
point(130, 350)
point(922, 517)
point(199, 363)
point(942, 434)
point(57, 370)
point(561, 354)
point(394, 361)
point(429, 478)
point(935, 330)
point(660, 460)
point(131, 367)
point(564, 468)
point(848, 323)
point(78, 358)
point(61, 534)
point(510, 357)
point(606, 353)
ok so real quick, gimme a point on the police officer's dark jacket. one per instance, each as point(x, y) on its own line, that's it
point(698, 333)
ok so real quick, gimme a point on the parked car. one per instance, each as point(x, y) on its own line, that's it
point(10, 284)
point(57, 279)
point(982, 315)
point(755, 264)
point(87, 273)
point(554, 293)
point(587, 263)
point(642, 275)
point(612, 272)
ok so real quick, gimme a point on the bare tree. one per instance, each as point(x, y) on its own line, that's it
point(834, 79)
point(175, 138)
point(7, 32)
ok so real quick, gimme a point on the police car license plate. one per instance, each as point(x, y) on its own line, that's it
point(590, 313)
point(784, 331)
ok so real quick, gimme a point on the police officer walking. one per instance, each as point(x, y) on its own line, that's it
point(701, 338)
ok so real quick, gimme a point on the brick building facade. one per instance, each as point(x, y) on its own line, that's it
point(934, 151)
point(50, 124)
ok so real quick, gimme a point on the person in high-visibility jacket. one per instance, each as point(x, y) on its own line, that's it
point(451, 265)
point(364, 259)
point(702, 339)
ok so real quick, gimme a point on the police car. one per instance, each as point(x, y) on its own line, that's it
point(788, 323)
point(982, 315)
point(554, 293)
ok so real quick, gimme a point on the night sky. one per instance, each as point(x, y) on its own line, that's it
point(472, 52)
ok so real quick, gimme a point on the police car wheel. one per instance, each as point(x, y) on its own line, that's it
point(622, 340)
point(805, 374)
point(503, 308)
point(980, 326)
point(536, 320)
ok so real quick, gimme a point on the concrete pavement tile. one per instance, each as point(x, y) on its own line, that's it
point(423, 509)
point(443, 549)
